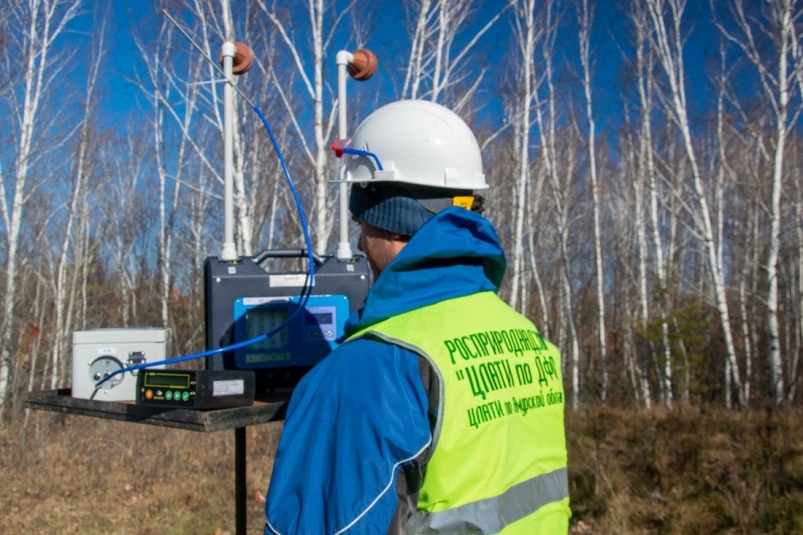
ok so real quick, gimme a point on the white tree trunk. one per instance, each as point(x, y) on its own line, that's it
point(434, 53)
point(669, 48)
point(322, 29)
point(524, 24)
point(641, 236)
point(783, 11)
point(585, 60)
point(535, 201)
point(415, 63)
point(64, 290)
point(796, 355)
point(160, 94)
point(644, 170)
point(781, 30)
point(547, 129)
point(46, 20)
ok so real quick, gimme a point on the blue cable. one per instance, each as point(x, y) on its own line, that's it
point(304, 296)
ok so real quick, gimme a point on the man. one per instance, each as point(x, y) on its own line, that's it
point(443, 410)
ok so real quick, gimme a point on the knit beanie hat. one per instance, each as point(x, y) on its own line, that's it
point(400, 209)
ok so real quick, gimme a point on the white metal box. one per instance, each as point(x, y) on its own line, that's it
point(98, 353)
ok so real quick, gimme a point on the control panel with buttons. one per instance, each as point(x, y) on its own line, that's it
point(196, 389)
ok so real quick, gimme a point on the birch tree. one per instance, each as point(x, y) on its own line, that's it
point(534, 202)
point(795, 360)
point(76, 225)
point(37, 25)
point(668, 44)
point(652, 177)
point(643, 170)
point(160, 93)
point(546, 118)
point(125, 222)
point(776, 86)
point(724, 170)
point(185, 94)
point(584, 39)
point(439, 64)
point(324, 21)
point(526, 35)
point(638, 369)
point(797, 54)
point(267, 192)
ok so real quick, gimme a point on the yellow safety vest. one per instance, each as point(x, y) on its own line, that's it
point(498, 462)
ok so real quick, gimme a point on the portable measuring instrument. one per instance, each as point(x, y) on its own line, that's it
point(303, 342)
point(195, 389)
point(243, 300)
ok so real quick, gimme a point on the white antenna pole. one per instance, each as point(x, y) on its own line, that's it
point(228, 252)
point(231, 65)
point(343, 58)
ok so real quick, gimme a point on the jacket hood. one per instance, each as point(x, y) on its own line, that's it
point(455, 253)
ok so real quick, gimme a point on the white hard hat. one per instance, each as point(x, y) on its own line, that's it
point(413, 142)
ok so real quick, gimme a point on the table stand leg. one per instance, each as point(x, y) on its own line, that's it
point(239, 479)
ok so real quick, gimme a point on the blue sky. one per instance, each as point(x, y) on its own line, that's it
point(126, 19)
point(129, 18)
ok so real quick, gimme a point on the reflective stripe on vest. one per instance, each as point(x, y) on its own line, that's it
point(498, 457)
point(492, 515)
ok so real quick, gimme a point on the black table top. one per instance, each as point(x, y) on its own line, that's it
point(262, 411)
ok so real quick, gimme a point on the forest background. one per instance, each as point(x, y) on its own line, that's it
point(643, 158)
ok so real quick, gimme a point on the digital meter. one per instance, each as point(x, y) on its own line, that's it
point(195, 389)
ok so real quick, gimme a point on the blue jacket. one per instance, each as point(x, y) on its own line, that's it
point(361, 414)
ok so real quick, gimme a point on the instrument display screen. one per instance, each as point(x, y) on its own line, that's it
point(261, 321)
point(171, 380)
point(309, 329)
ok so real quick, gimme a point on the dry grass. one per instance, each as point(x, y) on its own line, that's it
point(686, 471)
point(683, 471)
point(78, 475)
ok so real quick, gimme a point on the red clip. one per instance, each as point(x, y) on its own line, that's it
point(338, 147)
